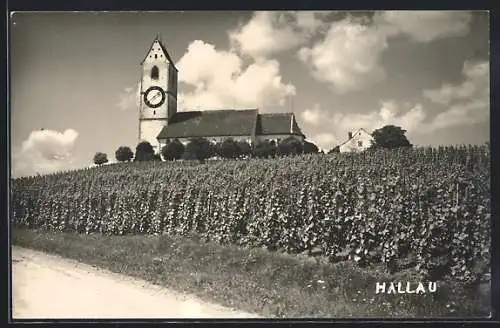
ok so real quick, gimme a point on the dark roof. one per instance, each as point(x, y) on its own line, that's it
point(210, 123)
point(278, 123)
point(164, 50)
point(228, 122)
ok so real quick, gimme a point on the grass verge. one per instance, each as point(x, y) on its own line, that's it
point(256, 280)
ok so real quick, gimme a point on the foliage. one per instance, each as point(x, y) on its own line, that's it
point(390, 137)
point(198, 149)
point(289, 146)
point(264, 149)
point(124, 154)
point(144, 152)
point(100, 158)
point(173, 150)
point(428, 207)
point(310, 148)
point(229, 149)
point(244, 148)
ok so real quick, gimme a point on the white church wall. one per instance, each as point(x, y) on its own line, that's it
point(278, 137)
point(214, 140)
point(150, 130)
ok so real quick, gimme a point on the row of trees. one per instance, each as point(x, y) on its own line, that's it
point(202, 149)
point(389, 137)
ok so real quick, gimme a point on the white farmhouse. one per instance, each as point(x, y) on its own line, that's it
point(357, 141)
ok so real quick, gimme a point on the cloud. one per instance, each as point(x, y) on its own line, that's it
point(130, 98)
point(312, 116)
point(349, 56)
point(335, 126)
point(325, 141)
point(465, 103)
point(44, 151)
point(390, 112)
point(428, 26)
point(222, 81)
point(270, 32)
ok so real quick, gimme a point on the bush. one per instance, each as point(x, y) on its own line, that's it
point(289, 146)
point(124, 154)
point(264, 149)
point(173, 150)
point(100, 158)
point(198, 149)
point(229, 149)
point(244, 148)
point(144, 152)
point(310, 148)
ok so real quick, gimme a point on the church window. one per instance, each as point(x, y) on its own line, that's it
point(155, 73)
point(154, 112)
point(156, 56)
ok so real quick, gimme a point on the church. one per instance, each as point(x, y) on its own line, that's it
point(160, 122)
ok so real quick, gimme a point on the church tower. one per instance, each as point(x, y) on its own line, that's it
point(158, 101)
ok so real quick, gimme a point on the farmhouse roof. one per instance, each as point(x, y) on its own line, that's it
point(228, 122)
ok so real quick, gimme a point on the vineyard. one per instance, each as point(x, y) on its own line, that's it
point(426, 207)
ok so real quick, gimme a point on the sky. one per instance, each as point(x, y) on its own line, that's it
point(75, 75)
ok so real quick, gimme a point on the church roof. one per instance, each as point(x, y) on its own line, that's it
point(277, 123)
point(229, 122)
point(210, 123)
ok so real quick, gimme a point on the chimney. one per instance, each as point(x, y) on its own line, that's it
point(349, 135)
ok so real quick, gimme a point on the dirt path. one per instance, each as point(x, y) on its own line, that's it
point(48, 286)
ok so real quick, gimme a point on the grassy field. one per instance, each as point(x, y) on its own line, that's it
point(272, 284)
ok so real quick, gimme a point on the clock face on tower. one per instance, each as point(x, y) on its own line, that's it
point(154, 97)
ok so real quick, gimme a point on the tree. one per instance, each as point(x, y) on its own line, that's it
point(124, 154)
point(173, 150)
point(264, 148)
point(100, 158)
point(229, 149)
point(290, 146)
point(390, 137)
point(244, 148)
point(144, 152)
point(310, 148)
point(199, 149)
